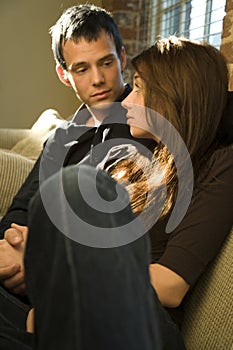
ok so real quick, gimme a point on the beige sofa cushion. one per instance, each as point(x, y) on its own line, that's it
point(16, 163)
point(32, 145)
point(14, 169)
point(208, 322)
point(9, 137)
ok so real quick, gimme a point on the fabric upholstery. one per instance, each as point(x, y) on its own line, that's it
point(208, 322)
point(19, 148)
point(14, 168)
point(9, 137)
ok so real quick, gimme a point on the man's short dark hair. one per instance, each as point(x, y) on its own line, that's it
point(83, 21)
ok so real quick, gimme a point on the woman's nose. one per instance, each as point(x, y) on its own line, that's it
point(126, 103)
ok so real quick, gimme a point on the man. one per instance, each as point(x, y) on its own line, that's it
point(89, 58)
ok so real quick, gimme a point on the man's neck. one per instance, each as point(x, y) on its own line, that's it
point(92, 121)
point(99, 113)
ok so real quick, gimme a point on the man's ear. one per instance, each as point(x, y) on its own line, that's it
point(123, 58)
point(63, 75)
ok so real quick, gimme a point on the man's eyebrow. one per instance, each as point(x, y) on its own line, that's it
point(81, 64)
point(77, 65)
point(107, 57)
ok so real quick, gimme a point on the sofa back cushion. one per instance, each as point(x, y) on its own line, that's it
point(32, 145)
point(14, 169)
point(17, 161)
point(208, 322)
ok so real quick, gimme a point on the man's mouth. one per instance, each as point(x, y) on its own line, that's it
point(100, 95)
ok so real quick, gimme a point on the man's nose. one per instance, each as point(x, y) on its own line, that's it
point(97, 76)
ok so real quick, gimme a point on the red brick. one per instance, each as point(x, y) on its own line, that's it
point(131, 17)
point(229, 5)
point(227, 51)
point(130, 5)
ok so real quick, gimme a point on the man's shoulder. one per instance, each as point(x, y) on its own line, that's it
point(74, 125)
point(80, 117)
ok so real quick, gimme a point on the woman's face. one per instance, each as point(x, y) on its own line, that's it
point(135, 105)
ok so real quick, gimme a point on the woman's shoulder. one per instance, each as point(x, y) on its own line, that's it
point(223, 154)
point(219, 165)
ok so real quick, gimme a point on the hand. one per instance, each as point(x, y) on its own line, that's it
point(16, 234)
point(30, 321)
point(11, 259)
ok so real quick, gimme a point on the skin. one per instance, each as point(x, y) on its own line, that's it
point(94, 72)
point(170, 287)
point(11, 258)
point(30, 321)
point(136, 113)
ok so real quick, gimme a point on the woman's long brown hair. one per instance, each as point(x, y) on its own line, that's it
point(188, 81)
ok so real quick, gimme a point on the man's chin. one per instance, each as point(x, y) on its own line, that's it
point(103, 105)
point(102, 110)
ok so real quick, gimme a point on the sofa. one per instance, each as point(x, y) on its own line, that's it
point(208, 320)
point(19, 149)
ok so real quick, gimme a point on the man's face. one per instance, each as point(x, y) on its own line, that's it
point(94, 70)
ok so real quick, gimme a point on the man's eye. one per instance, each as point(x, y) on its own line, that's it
point(79, 70)
point(107, 63)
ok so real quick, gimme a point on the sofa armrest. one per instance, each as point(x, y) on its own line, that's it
point(9, 137)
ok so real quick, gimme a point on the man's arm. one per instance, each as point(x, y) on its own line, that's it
point(12, 235)
point(19, 208)
point(12, 243)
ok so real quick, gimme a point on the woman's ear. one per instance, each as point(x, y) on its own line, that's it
point(63, 75)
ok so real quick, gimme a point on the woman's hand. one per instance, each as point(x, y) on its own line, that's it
point(30, 321)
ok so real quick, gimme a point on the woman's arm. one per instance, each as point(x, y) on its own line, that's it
point(169, 286)
point(198, 238)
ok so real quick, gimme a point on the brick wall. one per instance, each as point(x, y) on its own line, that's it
point(132, 14)
point(227, 39)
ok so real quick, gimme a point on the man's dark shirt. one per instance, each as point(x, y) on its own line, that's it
point(70, 144)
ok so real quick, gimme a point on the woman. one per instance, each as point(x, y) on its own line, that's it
point(186, 82)
point(108, 301)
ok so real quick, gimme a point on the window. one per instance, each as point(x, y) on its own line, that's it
point(194, 19)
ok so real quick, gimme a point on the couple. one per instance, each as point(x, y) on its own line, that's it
point(109, 253)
